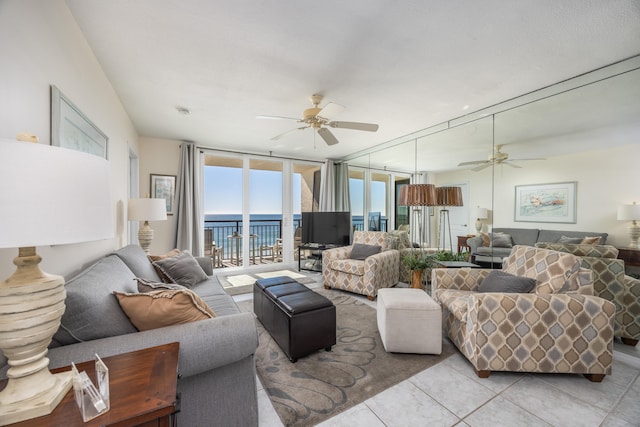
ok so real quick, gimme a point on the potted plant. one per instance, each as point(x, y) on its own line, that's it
point(417, 261)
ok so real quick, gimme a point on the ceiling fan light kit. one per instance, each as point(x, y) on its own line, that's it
point(320, 118)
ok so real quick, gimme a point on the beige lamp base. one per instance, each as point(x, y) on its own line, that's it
point(31, 305)
point(145, 236)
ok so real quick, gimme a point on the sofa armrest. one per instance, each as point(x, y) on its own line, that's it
point(463, 279)
point(473, 243)
point(341, 252)
point(539, 325)
point(383, 268)
point(204, 345)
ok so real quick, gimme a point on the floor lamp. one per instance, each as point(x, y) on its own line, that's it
point(50, 196)
point(418, 195)
point(447, 196)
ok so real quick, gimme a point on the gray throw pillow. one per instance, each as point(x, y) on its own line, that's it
point(145, 286)
point(500, 281)
point(360, 251)
point(501, 240)
point(182, 269)
point(574, 240)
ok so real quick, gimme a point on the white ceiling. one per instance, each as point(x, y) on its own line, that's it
point(405, 65)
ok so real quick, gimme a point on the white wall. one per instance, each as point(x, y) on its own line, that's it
point(159, 157)
point(606, 179)
point(41, 45)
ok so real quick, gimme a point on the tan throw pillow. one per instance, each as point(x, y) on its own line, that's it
point(486, 240)
point(163, 308)
point(591, 240)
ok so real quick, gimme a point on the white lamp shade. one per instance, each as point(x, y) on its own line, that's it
point(629, 212)
point(147, 210)
point(481, 213)
point(52, 196)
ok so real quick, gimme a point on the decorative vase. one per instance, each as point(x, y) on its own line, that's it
point(416, 279)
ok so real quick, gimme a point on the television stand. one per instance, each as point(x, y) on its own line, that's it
point(314, 261)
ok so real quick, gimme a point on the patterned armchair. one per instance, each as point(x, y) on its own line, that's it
point(366, 276)
point(610, 283)
point(560, 327)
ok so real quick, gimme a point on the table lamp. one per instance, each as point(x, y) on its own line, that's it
point(50, 196)
point(631, 213)
point(146, 210)
point(481, 213)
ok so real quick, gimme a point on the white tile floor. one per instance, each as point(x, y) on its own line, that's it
point(450, 394)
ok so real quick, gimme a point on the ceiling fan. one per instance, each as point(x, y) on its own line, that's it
point(498, 157)
point(319, 119)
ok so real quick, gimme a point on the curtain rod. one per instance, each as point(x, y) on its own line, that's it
point(268, 156)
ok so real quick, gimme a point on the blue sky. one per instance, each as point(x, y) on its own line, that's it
point(223, 192)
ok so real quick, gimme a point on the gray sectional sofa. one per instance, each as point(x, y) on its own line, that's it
point(216, 359)
point(521, 236)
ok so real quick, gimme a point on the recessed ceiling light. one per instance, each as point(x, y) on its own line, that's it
point(466, 107)
point(183, 111)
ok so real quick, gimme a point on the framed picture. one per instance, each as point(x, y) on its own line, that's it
point(164, 187)
point(554, 202)
point(72, 129)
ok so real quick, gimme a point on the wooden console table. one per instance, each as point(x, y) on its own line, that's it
point(142, 386)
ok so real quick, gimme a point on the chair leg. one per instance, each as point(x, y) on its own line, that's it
point(629, 341)
point(594, 378)
point(483, 373)
point(371, 297)
point(327, 287)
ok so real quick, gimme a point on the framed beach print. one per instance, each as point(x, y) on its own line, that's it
point(555, 202)
point(164, 187)
point(70, 128)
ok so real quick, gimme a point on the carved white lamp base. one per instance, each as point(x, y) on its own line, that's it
point(31, 306)
point(478, 227)
point(145, 236)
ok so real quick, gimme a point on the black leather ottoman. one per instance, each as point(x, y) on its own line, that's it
point(299, 320)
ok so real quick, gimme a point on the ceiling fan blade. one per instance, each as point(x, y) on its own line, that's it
point(479, 168)
point(276, 118)
point(327, 136)
point(475, 162)
point(277, 137)
point(330, 110)
point(513, 165)
point(369, 127)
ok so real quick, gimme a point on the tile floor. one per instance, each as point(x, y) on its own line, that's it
point(450, 394)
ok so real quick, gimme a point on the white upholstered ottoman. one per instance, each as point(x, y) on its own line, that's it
point(410, 321)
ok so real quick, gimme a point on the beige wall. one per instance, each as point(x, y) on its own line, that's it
point(41, 45)
point(606, 179)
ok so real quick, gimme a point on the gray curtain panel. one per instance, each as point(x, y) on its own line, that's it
point(343, 201)
point(189, 199)
point(327, 187)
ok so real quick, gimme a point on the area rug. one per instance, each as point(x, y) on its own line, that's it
point(243, 283)
point(325, 384)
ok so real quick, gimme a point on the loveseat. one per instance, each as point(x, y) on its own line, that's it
point(558, 326)
point(217, 381)
point(609, 282)
point(491, 248)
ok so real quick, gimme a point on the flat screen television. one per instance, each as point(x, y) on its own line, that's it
point(326, 228)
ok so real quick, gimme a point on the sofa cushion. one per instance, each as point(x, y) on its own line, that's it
point(91, 310)
point(136, 259)
point(349, 266)
point(554, 236)
point(520, 236)
point(500, 281)
point(145, 285)
point(361, 252)
point(157, 309)
point(182, 269)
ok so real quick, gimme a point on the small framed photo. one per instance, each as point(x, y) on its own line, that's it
point(555, 202)
point(164, 187)
point(70, 128)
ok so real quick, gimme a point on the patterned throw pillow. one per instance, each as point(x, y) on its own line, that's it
point(163, 308)
point(400, 239)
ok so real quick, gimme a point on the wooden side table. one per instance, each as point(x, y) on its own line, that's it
point(462, 243)
point(142, 386)
point(630, 256)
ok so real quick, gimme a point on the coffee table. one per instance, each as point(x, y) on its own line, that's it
point(142, 386)
point(455, 264)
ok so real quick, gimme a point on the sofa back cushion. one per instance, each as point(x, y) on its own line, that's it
point(92, 311)
point(136, 259)
point(554, 272)
point(554, 236)
point(520, 236)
